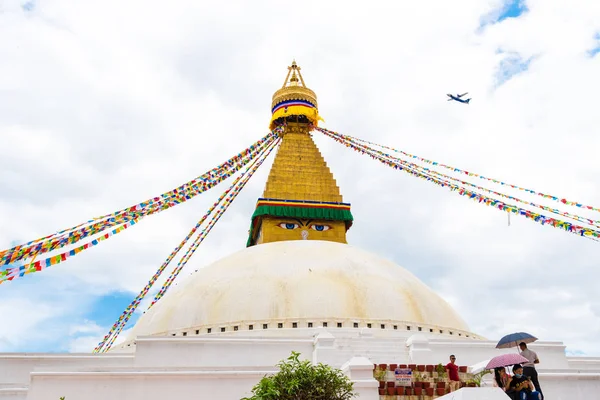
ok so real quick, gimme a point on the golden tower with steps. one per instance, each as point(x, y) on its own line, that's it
point(301, 200)
point(299, 172)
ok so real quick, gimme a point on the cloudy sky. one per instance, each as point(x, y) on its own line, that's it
point(105, 104)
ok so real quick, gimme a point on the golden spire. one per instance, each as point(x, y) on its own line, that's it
point(301, 198)
point(299, 171)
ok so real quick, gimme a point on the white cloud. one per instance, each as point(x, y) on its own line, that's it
point(86, 336)
point(104, 104)
point(25, 317)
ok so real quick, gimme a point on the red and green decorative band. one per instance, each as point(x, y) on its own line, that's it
point(302, 203)
point(302, 209)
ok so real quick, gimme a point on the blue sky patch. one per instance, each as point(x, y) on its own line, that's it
point(511, 9)
point(512, 65)
point(108, 308)
point(28, 5)
point(96, 320)
point(596, 49)
point(574, 353)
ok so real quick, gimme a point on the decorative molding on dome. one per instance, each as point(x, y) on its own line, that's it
point(241, 327)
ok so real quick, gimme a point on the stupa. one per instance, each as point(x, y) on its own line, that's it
point(298, 272)
point(296, 286)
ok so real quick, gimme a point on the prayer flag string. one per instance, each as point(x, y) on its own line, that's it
point(159, 203)
point(10, 274)
point(230, 198)
point(230, 193)
point(472, 174)
point(578, 218)
point(542, 219)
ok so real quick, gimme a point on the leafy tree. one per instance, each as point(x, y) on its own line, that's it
point(301, 380)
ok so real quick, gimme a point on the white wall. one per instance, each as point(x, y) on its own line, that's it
point(218, 352)
point(171, 383)
point(379, 350)
point(434, 351)
point(587, 363)
point(16, 367)
point(143, 385)
point(227, 367)
point(13, 393)
point(360, 371)
point(488, 393)
point(570, 386)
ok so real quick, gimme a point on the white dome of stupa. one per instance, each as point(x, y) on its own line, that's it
point(299, 284)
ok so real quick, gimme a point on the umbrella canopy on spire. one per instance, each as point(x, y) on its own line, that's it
point(294, 102)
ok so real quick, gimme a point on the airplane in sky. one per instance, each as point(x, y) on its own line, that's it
point(458, 98)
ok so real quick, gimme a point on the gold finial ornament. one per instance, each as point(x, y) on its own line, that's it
point(294, 102)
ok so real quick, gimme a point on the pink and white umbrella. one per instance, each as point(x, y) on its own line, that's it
point(505, 360)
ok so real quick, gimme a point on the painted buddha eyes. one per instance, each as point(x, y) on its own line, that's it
point(293, 225)
point(289, 225)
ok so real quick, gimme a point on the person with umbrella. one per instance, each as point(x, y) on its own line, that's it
point(529, 367)
point(501, 378)
point(521, 339)
point(514, 339)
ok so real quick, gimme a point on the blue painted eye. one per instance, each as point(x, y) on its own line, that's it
point(320, 228)
point(288, 225)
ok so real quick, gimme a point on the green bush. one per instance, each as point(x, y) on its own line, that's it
point(301, 380)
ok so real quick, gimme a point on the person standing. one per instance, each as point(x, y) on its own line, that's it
point(453, 374)
point(529, 367)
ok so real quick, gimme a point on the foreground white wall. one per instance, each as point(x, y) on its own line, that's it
point(424, 350)
point(8, 393)
point(360, 371)
point(489, 393)
point(218, 352)
point(227, 367)
point(221, 368)
point(586, 363)
point(173, 383)
point(568, 386)
point(157, 385)
point(16, 367)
